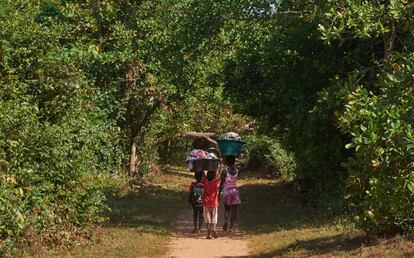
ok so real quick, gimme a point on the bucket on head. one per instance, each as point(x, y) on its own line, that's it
point(230, 147)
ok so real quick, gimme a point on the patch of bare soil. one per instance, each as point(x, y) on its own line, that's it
point(187, 244)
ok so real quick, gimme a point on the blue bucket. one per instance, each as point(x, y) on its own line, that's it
point(230, 147)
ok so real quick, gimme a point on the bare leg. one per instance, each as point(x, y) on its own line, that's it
point(195, 213)
point(208, 230)
point(200, 219)
point(214, 230)
point(226, 216)
point(233, 216)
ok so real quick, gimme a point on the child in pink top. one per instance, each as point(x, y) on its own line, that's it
point(210, 202)
point(230, 192)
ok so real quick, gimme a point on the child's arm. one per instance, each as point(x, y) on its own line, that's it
point(222, 180)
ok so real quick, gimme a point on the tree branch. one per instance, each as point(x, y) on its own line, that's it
point(206, 136)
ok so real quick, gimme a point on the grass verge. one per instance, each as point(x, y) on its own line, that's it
point(278, 225)
point(140, 221)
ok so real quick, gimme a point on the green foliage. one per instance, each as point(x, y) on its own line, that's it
point(364, 19)
point(48, 171)
point(266, 153)
point(381, 181)
point(82, 82)
point(276, 73)
point(205, 110)
point(377, 107)
point(293, 66)
point(54, 139)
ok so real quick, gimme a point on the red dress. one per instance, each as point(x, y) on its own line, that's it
point(210, 198)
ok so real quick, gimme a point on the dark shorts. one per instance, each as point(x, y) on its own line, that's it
point(198, 208)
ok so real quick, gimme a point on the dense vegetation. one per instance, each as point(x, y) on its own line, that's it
point(92, 87)
point(88, 88)
point(332, 75)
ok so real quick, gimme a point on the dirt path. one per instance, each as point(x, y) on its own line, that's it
point(186, 244)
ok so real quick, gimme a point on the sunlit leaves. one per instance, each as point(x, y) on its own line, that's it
point(382, 129)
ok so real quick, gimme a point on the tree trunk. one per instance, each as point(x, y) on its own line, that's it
point(132, 74)
point(389, 39)
point(133, 160)
point(137, 136)
point(167, 144)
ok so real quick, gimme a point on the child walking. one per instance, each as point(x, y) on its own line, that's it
point(230, 192)
point(210, 202)
point(196, 201)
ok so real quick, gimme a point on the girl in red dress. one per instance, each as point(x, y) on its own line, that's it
point(210, 202)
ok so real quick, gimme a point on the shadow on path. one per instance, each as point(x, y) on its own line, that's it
point(274, 206)
point(324, 246)
point(177, 171)
point(149, 209)
point(184, 227)
point(273, 213)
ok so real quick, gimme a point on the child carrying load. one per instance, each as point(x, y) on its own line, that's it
point(231, 146)
point(229, 192)
point(196, 201)
point(210, 202)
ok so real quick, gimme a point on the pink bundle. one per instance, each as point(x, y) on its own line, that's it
point(198, 154)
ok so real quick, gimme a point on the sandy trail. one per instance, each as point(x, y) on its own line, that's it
point(186, 244)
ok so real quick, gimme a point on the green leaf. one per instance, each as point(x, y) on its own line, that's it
point(350, 145)
point(410, 187)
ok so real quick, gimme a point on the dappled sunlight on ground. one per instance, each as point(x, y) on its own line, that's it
point(272, 222)
point(278, 224)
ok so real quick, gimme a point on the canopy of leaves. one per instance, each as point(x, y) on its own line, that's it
point(84, 83)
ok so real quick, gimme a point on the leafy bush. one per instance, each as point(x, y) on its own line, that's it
point(381, 178)
point(263, 152)
point(54, 140)
point(47, 175)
